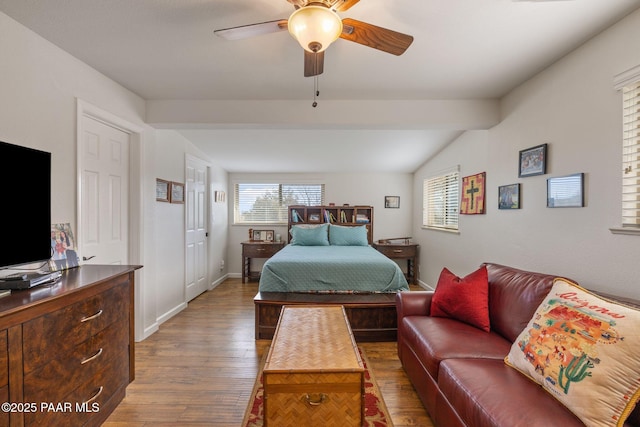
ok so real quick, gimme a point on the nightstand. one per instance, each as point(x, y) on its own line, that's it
point(256, 249)
point(408, 251)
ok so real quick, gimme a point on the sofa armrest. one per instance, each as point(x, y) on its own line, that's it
point(413, 303)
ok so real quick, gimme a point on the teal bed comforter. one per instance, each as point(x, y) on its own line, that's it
point(331, 269)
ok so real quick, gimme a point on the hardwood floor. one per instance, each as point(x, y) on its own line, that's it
point(199, 368)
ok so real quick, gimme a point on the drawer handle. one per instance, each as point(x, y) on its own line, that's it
point(89, 359)
point(95, 396)
point(260, 249)
point(397, 251)
point(86, 319)
point(316, 400)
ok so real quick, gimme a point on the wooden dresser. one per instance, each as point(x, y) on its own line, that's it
point(67, 349)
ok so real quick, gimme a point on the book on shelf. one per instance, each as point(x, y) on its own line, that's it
point(343, 216)
point(295, 216)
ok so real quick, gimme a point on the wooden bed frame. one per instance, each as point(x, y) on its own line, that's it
point(372, 316)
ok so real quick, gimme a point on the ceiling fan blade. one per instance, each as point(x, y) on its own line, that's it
point(375, 37)
point(342, 5)
point(251, 30)
point(313, 63)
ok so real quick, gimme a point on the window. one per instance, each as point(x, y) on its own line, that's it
point(441, 201)
point(629, 83)
point(631, 156)
point(267, 203)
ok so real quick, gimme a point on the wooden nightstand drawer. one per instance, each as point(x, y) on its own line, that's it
point(397, 251)
point(261, 250)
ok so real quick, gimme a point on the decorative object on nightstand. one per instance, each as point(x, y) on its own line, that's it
point(257, 249)
point(401, 248)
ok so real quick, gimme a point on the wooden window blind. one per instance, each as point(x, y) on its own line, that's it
point(441, 200)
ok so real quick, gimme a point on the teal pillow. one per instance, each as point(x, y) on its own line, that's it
point(304, 236)
point(340, 235)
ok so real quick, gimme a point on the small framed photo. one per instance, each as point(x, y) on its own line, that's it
point(177, 192)
point(533, 161)
point(314, 217)
point(219, 196)
point(262, 235)
point(509, 196)
point(392, 202)
point(162, 190)
point(566, 191)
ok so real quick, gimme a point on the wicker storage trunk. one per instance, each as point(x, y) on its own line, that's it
point(313, 374)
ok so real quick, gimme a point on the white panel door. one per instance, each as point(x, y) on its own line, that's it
point(196, 228)
point(104, 193)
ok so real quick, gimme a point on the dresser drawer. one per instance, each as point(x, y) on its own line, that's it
point(91, 396)
point(48, 336)
point(260, 250)
point(4, 359)
point(397, 251)
point(56, 378)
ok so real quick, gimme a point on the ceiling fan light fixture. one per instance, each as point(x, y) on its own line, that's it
point(315, 27)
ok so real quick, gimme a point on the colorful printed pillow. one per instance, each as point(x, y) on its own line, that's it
point(316, 236)
point(583, 349)
point(340, 235)
point(466, 299)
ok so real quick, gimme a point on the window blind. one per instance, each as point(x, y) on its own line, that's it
point(631, 156)
point(441, 201)
point(266, 203)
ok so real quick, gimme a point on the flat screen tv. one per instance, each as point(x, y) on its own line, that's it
point(25, 176)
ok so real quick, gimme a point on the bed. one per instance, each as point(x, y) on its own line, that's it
point(332, 264)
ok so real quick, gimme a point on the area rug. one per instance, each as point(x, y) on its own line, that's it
point(375, 412)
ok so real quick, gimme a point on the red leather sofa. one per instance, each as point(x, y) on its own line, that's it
point(458, 370)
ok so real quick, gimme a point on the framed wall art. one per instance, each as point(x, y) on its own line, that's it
point(392, 202)
point(473, 194)
point(533, 161)
point(566, 191)
point(509, 196)
point(162, 190)
point(177, 192)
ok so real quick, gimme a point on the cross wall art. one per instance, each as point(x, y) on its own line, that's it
point(473, 194)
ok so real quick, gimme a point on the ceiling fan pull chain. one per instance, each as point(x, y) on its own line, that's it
point(316, 91)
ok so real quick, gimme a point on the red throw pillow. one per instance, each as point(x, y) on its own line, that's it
point(466, 299)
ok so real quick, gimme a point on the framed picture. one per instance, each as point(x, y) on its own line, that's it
point(566, 191)
point(314, 217)
point(509, 196)
point(262, 235)
point(63, 248)
point(177, 192)
point(533, 161)
point(219, 196)
point(162, 190)
point(473, 194)
point(392, 202)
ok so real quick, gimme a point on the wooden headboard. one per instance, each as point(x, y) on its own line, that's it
point(346, 215)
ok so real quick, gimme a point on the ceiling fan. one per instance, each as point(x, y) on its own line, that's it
point(315, 24)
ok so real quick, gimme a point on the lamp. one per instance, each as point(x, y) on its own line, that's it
point(315, 27)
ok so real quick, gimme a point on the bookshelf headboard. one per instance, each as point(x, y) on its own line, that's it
point(345, 215)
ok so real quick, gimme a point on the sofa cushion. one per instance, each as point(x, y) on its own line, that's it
point(434, 339)
point(513, 297)
point(465, 299)
point(583, 350)
point(486, 392)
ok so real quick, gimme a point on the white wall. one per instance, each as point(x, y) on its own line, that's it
point(340, 188)
point(573, 107)
point(39, 88)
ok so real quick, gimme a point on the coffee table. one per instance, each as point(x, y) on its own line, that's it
point(313, 374)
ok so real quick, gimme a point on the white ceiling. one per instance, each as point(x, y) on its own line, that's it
point(462, 49)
